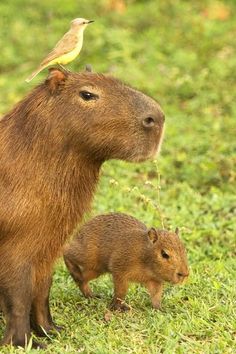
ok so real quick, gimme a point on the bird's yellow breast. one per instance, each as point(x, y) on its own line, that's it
point(68, 57)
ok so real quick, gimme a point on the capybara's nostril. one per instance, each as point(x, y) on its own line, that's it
point(149, 122)
point(183, 275)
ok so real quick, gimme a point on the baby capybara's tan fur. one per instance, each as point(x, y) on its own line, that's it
point(123, 246)
point(52, 145)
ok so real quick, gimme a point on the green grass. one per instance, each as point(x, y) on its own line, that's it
point(183, 54)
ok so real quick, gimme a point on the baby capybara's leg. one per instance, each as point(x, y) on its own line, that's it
point(16, 298)
point(88, 275)
point(40, 317)
point(75, 272)
point(80, 277)
point(120, 291)
point(74, 268)
point(155, 291)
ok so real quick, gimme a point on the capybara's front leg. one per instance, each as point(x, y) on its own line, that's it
point(120, 290)
point(155, 290)
point(16, 301)
point(40, 317)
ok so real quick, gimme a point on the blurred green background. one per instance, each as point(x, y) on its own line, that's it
point(182, 53)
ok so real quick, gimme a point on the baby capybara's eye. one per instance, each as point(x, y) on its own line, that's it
point(164, 254)
point(87, 96)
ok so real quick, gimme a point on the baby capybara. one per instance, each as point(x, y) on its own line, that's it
point(123, 246)
point(52, 145)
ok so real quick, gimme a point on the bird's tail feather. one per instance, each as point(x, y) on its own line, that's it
point(40, 68)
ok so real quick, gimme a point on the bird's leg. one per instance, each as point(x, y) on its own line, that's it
point(88, 68)
point(63, 68)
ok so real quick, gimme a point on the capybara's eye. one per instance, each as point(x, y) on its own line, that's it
point(87, 96)
point(164, 254)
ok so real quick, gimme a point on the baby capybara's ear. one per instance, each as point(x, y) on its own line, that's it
point(152, 234)
point(55, 80)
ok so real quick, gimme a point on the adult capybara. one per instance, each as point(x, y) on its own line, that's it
point(120, 244)
point(52, 145)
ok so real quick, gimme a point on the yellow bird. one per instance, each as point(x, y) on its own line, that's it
point(67, 48)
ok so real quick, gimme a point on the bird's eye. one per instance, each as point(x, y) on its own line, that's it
point(84, 23)
point(88, 96)
point(164, 254)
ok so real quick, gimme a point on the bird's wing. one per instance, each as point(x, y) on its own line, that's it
point(64, 46)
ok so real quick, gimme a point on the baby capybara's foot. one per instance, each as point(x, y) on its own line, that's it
point(157, 306)
point(119, 305)
point(93, 296)
point(86, 291)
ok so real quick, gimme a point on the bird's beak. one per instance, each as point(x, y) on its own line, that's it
point(90, 21)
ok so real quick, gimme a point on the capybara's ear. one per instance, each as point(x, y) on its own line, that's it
point(55, 79)
point(152, 234)
point(177, 231)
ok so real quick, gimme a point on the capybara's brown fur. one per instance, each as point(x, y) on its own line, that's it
point(52, 145)
point(123, 246)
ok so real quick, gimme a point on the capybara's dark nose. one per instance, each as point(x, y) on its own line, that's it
point(153, 119)
point(180, 275)
point(183, 275)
